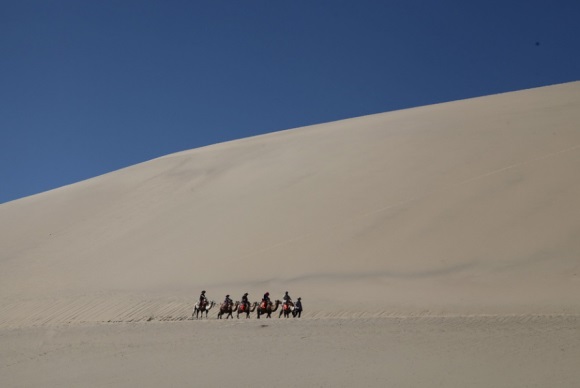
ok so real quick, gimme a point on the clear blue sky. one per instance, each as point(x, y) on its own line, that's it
point(88, 87)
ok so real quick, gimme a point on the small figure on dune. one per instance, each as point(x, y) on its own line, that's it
point(245, 307)
point(227, 308)
point(245, 303)
point(265, 300)
point(202, 306)
point(202, 299)
point(297, 312)
point(287, 307)
point(267, 307)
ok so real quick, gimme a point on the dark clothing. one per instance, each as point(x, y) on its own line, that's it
point(245, 300)
point(266, 299)
point(202, 300)
point(297, 309)
point(228, 301)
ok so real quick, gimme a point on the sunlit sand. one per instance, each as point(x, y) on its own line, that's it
point(438, 245)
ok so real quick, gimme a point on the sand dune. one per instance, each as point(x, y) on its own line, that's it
point(463, 209)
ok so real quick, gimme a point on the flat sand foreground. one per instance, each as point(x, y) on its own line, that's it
point(492, 351)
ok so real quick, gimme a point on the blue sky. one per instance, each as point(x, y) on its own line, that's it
point(88, 87)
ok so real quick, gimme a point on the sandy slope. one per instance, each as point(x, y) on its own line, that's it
point(463, 211)
point(465, 207)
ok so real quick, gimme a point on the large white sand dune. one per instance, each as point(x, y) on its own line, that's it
point(464, 207)
point(456, 225)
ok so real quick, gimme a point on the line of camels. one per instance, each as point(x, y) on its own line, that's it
point(240, 308)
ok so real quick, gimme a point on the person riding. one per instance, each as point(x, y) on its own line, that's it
point(202, 299)
point(245, 302)
point(266, 299)
point(228, 302)
point(287, 299)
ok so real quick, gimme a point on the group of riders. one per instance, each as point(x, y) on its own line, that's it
point(296, 307)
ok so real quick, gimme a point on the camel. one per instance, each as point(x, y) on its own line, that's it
point(227, 309)
point(246, 309)
point(287, 309)
point(201, 309)
point(268, 310)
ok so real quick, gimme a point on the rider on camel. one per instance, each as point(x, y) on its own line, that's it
point(245, 302)
point(266, 299)
point(287, 299)
point(228, 302)
point(202, 299)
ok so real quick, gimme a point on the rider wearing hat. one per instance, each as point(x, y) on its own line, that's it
point(245, 301)
point(298, 308)
point(202, 299)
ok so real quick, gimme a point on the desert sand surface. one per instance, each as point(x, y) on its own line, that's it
point(434, 246)
point(330, 352)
